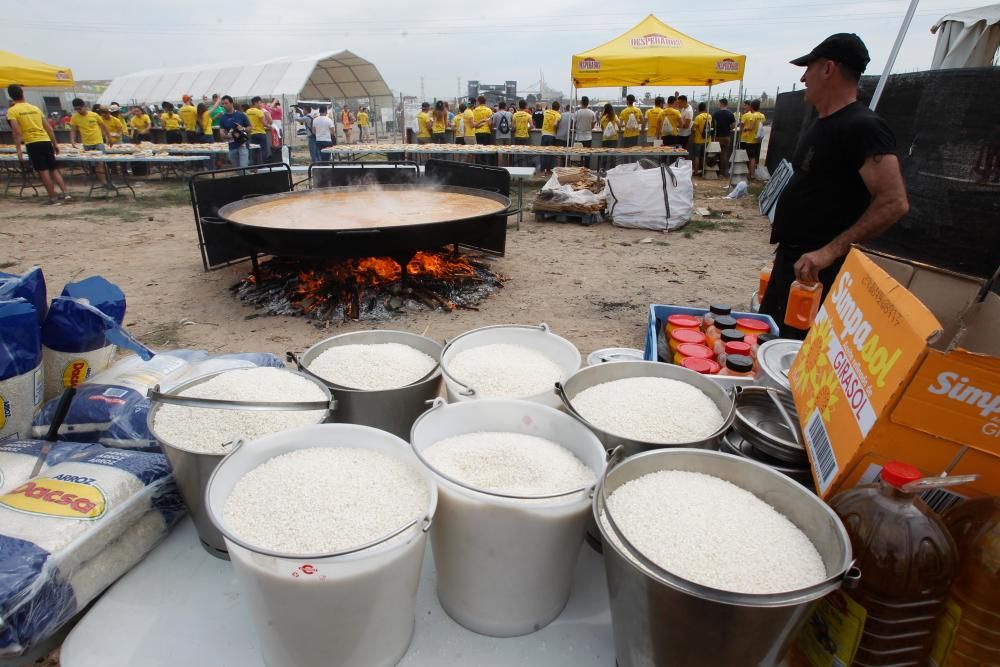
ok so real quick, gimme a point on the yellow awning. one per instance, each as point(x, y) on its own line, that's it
point(27, 72)
point(654, 54)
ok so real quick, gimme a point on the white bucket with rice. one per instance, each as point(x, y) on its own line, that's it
point(513, 361)
point(505, 558)
point(331, 560)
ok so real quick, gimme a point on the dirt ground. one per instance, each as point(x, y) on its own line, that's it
point(592, 284)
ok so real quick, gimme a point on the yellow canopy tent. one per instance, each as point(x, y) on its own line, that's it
point(654, 54)
point(32, 73)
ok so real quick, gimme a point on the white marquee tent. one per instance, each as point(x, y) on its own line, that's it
point(337, 76)
point(967, 39)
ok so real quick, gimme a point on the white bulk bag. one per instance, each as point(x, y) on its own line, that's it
point(661, 198)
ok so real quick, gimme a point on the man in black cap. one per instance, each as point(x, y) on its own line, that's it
point(847, 187)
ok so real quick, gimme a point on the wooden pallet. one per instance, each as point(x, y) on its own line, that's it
point(585, 219)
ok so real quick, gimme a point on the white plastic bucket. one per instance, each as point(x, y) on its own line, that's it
point(355, 608)
point(505, 564)
point(537, 337)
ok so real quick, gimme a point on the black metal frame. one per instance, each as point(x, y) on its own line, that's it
point(339, 174)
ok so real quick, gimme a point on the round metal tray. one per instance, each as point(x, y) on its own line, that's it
point(735, 444)
point(759, 420)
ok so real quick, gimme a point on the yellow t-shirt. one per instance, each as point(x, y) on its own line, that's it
point(604, 120)
point(654, 122)
point(698, 127)
point(139, 123)
point(170, 121)
point(89, 127)
point(115, 127)
point(206, 124)
point(751, 123)
point(363, 119)
point(479, 114)
point(256, 118)
point(674, 117)
point(29, 121)
point(468, 118)
point(550, 121)
point(189, 116)
point(522, 125)
point(424, 122)
point(439, 126)
point(630, 112)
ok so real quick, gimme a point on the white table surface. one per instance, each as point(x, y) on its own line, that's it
point(181, 606)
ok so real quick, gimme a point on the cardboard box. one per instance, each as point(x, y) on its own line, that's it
point(902, 364)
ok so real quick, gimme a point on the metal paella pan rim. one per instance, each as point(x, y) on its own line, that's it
point(775, 357)
point(609, 354)
point(760, 421)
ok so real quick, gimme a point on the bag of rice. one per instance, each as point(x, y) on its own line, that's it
point(111, 408)
point(17, 459)
point(68, 534)
point(29, 286)
point(21, 372)
point(75, 344)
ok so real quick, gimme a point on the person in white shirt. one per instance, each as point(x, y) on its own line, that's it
point(687, 117)
point(583, 122)
point(323, 129)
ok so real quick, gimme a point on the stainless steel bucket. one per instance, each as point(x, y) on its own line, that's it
point(662, 619)
point(594, 375)
point(392, 410)
point(192, 470)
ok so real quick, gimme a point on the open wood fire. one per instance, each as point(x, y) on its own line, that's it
point(371, 288)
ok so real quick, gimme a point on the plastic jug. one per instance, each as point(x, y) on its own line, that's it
point(907, 560)
point(765, 278)
point(969, 633)
point(803, 304)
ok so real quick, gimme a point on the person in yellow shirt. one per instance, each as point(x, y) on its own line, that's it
point(424, 123)
point(469, 124)
point(457, 126)
point(115, 126)
point(439, 123)
point(751, 126)
point(363, 124)
point(654, 120)
point(29, 127)
point(481, 121)
point(189, 117)
point(550, 121)
point(260, 131)
point(701, 129)
point(671, 122)
point(631, 122)
point(170, 121)
point(88, 125)
point(522, 124)
point(609, 137)
point(140, 125)
point(347, 123)
point(204, 134)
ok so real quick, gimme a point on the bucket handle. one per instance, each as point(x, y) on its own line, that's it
point(466, 389)
point(561, 392)
point(293, 358)
point(792, 425)
point(852, 576)
point(156, 396)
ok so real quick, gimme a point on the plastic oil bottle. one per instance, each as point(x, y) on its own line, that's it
point(969, 633)
point(803, 304)
point(907, 560)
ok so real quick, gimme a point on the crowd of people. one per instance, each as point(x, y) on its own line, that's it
point(321, 127)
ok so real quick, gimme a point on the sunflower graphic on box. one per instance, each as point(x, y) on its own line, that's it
point(812, 359)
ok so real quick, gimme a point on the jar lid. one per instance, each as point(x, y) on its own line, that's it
point(705, 366)
point(724, 322)
point(687, 336)
point(775, 357)
point(720, 309)
point(756, 326)
point(739, 363)
point(899, 474)
point(738, 348)
point(695, 350)
point(732, 335)
point(684, 321)
point(765, 338)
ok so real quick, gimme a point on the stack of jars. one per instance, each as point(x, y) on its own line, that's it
point(717, 343)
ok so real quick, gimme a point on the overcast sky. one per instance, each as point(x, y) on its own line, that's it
point(443, 41)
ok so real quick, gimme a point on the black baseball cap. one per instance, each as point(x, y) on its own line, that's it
point(844, 47)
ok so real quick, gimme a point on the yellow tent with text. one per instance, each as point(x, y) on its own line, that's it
point(654, 54)
point(32, 73)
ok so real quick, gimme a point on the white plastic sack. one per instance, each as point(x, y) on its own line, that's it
point(660, 198)
point(20, 398)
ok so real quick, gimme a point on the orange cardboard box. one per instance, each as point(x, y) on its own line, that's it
point(903, 363)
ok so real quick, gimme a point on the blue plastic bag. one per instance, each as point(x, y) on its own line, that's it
point(101, 294)
point(20, 344)
point(29, 286)
point(76, 326)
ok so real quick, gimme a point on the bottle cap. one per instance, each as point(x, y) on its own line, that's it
point(753, 326)
point(738, 348)
point(704, 366)
point(684, 321)
point(898, 474)
point(695, 350)
point(720, 309)
point(739, 363)
point(732, 336)
point(723, 322)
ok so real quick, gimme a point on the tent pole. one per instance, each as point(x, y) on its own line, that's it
point(734, 140)
point(708, 110)
point(903, 29)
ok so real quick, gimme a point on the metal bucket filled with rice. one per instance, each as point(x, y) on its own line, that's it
point(379, 378)
point(712, 559)
point(516, 361)
point(326, 528)
point(514, 482)
point(201, 420)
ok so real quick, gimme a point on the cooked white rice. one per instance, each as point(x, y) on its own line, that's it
point(650, 409)
point(505, 370)
point(372, 367)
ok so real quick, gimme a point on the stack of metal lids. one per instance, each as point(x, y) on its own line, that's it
point(614, 354)
point(766, 429)
point(774, 358)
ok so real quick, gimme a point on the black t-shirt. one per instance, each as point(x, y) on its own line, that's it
point(723, 121)
point(537, 118)
point(826, 194)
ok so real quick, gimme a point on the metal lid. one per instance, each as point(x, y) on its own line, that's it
point(737, 445)
point(775, 357)
point(773, 431)
point(614, 354)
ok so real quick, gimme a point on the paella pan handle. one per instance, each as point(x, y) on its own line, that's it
point(561, 393)
point(252, 195)
point(212, 220)
point(156, 396)
point(358, 232)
